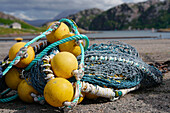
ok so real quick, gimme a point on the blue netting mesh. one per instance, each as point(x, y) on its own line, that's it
point(118, 65)
point(114, 65)
point(36, 75)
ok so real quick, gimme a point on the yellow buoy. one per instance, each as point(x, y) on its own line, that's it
point(18, 39)
point(24, 92)
point(23, 61)
point(58, 33)
point(57, 91)
point(12, 78)
point(63, 64)
point(70, 46)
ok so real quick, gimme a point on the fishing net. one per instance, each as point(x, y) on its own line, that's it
point(108, 70)
point(113, 65)
point(118, 65)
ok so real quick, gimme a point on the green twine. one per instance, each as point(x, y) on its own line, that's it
point(9, 99)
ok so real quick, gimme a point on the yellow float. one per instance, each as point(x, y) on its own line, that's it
point(70, 46)
point(63, 64)
point(25, 90)
point(57, 91)
point(58, 33)
point(23, 61)
point(12, 78)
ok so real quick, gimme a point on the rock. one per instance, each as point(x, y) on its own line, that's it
point(10, 17)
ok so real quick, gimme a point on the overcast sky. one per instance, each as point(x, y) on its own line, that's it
point(48, 9)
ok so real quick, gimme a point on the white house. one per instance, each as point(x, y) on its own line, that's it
point(15, 25)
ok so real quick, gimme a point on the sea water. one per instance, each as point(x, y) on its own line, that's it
point(137, 33)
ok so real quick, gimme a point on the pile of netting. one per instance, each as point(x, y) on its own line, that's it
point(63, 70)
point(118, 65)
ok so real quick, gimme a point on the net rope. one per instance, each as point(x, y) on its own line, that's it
point(118, 65)
point(112, 65)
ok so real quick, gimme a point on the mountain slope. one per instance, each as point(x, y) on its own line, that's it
point(37, 23)
point(6, 19)
point(152, 13)
point(84, 18)
point(27, 29)
point(156, 16)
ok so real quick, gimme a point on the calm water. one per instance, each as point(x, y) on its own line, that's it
point(142, 33)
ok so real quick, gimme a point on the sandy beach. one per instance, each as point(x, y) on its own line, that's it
point(156, 99)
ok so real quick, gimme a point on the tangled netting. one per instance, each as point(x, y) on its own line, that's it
point(113, 65)
point(118, 65)
point(36, 74)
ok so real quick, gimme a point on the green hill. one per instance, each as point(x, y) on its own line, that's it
point(84, 18)
point(7, 20)
point(149, 14)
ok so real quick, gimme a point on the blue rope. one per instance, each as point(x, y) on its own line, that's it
point(72, 25)
point(39, 56)
point(6, 91)
point(37, 76)
point(103, 62)
point(82, 54)
point(10, 65)
point(26, 45)
point(37, 81)
point(36, 39)
point(9, 99)
point(78, 81)
point(1, 73)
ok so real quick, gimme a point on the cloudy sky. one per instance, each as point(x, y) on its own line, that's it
point(48, 9)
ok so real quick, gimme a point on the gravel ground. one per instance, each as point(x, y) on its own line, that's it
point(156, 99)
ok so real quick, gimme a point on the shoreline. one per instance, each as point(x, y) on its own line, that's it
point(164, 30)
point(19, 35)
point(90, 38)
point(82, 31)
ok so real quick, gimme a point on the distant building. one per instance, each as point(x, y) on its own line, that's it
point(15, 25)
point(130, 28)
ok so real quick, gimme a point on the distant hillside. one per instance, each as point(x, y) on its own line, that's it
point(142, 15)
point(9, 19)
point(84, 18)
point(149, 14)
point(27, 29)
point(37, 23)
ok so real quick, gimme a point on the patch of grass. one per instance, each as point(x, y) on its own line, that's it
point(23, 24)
point(26, 28)
point(4, 31)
